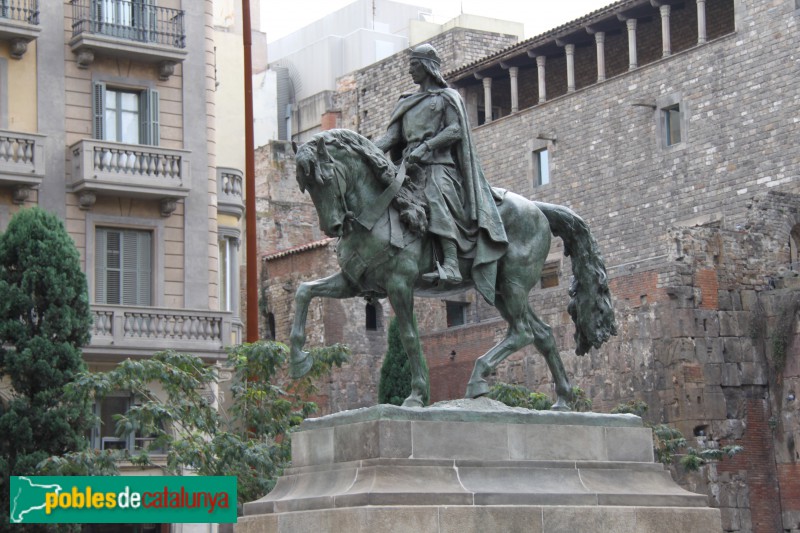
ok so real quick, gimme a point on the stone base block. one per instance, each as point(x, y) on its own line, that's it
point(476, 466)
point(488, 519)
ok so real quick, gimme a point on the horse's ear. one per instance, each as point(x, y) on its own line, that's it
point(322, 150)
point(294, 147)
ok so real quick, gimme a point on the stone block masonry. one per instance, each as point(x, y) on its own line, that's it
point(695, 237)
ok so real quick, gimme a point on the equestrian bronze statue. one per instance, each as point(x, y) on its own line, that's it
point(425, 220)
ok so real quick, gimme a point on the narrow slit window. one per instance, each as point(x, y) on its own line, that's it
point(541, 167)
point(672, 124)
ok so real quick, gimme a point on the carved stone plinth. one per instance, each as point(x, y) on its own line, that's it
point(474, 466)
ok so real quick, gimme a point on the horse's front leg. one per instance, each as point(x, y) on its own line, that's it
point(401, 296)
point(335, 286)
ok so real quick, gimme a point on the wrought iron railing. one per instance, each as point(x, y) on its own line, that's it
point(21, 10)
point(134, 20)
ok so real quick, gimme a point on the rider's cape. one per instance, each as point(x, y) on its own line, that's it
point(479, 203)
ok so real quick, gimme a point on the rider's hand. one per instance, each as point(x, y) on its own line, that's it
point(417, 154)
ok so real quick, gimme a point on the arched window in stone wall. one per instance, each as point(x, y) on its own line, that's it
point(794, 248)
point(374, 316)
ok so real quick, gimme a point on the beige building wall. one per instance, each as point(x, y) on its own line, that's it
point(21, 101)
point(230, 101)
point(21, 114)
point(211, 170)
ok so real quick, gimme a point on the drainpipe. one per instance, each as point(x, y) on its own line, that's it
point(250, 181)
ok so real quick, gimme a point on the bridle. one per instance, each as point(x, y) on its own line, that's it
point(370, 214)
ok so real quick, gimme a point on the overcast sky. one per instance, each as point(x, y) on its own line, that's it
point(281, 18)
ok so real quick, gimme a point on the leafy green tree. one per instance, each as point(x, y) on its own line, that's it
point(44, 321)
point(250, 441)
point(395, 382)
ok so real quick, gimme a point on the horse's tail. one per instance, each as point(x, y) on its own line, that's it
point(590, 303)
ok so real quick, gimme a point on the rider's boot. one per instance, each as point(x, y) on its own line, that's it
point(448, 271)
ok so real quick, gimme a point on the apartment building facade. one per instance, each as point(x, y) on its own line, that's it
point(107, 118)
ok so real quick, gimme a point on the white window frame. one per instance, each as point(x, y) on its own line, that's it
point(665, 114)
point(148, 114)
point(99, 442)
point(535, 148)
point(127, 19)
point(135, 268)
point(231, 238)
point(156, 226)
point(541, 167)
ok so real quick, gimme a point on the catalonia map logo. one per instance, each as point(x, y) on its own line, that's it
point(122, 499)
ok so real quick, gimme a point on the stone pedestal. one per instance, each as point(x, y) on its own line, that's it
point(473, 466)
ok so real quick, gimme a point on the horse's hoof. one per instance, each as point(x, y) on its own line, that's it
point(477, 388)
point(300, 367)
point(560, 405)
point(413, 401)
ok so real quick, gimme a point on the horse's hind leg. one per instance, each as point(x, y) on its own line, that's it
point(546, 344)
point(524, 328)
point(513, 308)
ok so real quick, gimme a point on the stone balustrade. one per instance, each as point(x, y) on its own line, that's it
point(21, 158)
point(129, 331)
point(230, 191)
point(111, 168)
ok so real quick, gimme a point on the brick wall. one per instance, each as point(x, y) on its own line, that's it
point(758, 461)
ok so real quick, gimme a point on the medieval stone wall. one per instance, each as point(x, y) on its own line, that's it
point(695, 236)
point(370, 94)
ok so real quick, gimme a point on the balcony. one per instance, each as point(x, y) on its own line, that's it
point(119, 332)
point(117, 169)
point(19, 24)
point(230, 191)
point(131, 29)
point(22, 157)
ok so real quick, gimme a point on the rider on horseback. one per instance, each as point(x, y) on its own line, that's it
point(429, 131)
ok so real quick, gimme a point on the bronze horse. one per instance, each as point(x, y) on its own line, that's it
point(346, 176)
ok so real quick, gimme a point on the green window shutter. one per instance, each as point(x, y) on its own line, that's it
point(100, 267)
point(155, 127)
point(113, 267)
point(136, 267)
point(130, 248)
point(149, 114)
point(143, 268)
point(123, 267)
point(99, 109)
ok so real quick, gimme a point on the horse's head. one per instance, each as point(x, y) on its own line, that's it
point(316, 173)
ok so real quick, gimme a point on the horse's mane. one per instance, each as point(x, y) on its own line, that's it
point(409, 201)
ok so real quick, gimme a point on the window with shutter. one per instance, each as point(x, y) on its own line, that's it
point(104, 435)
point(123, 266)
point(127, 116)
point(225, 277)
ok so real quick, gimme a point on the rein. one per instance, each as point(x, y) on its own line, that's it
point(374, 210)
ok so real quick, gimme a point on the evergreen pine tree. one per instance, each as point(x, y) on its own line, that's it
point(395, 383)
point(44, 321)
